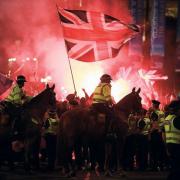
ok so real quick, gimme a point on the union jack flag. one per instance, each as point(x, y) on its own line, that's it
point(94, 36)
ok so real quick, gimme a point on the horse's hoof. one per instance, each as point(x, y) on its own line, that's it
point(87, 168)
point(71, 174)
point(108, 173)
point(123, 174)
point(97, 173)
point(30, 172)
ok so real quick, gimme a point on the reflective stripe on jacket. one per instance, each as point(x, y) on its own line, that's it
point(172, 134)
point(53, 125)
point(146, 128)
point(161, 117)
point(102, 93)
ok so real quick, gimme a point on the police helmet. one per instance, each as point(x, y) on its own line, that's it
point(21, 78)
point(174, 105)
point(105, 77)
point(176, 122)
point(155, 102)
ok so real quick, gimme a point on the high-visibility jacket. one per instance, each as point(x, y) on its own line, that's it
point(172, 134)
point(53, 125)
point(16, 95)
point(102, 93)
point(146, 128)
point(161, 117)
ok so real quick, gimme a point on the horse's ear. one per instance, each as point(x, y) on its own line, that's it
point(47, 86)
point(138, 91)
point(53, 87)
point(133, 90)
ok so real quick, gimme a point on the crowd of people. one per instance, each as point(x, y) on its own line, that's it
point(153, 139)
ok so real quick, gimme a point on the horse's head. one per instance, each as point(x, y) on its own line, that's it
point(50, 95)
point(131, 102)
point(136, 99)
point(44, 100)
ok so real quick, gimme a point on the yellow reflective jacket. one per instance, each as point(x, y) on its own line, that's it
point(102, 93)
point(161, 117)
point(16, 95)
point(53, 125)
point(172, 134)
point(147, 126)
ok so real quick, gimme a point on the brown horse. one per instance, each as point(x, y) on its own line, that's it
point(5, 138)
point(130, 103)
point(27, 126)
point(31, 123)
point(81, 125)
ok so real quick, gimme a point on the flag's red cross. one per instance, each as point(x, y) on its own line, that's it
point(95, 34)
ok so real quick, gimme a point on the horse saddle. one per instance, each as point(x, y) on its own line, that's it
point(99, 116)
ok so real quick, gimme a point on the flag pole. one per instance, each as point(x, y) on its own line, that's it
point(70, 67)
point(72, 76)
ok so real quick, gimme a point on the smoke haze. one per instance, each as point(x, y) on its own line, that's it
point(32, 29)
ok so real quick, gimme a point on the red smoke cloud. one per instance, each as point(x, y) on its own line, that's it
point(32, 29)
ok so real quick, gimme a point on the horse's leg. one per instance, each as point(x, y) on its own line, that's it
point(108, 158)
point(51, 150)
point(78, 155)
point(31, 151)
point(67, 155)
point(27, 154)
point(7, 153)
point(71, 160)
point(10, 157)
point(113, 162)
point(120, 150)
point(35, 152)
point(93, 159)
point(60, 150)
point(1, 154)
point(101, 154)
point(86, 155)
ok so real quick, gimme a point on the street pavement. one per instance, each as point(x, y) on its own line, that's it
point(57, 175)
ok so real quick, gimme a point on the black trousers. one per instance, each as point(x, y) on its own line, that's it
point(157, 150)
point(142, 151)
point(51, 141)
point(174, 152)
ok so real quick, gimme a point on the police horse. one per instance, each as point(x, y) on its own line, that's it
point(80, 127)
point(27, 127)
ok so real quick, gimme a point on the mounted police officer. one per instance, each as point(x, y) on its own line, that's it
point(102, 100)
point(17, 95)
point(14, 101)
